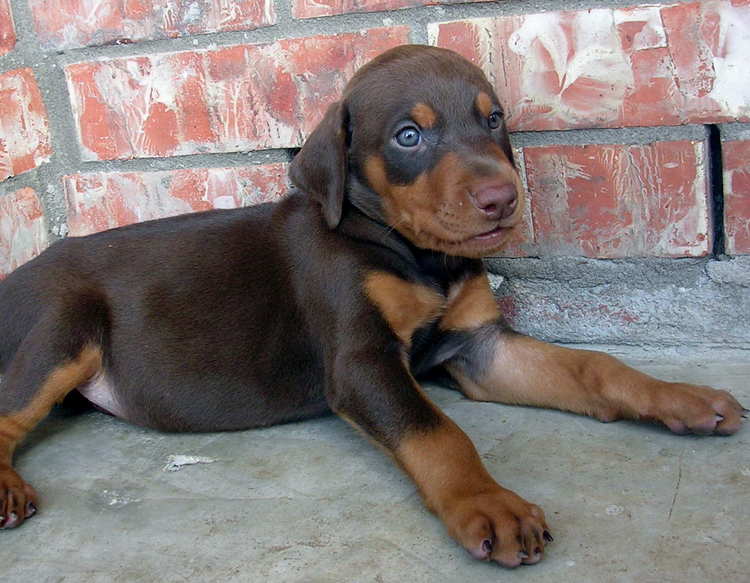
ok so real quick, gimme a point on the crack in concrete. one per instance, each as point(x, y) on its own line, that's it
point(677, 487)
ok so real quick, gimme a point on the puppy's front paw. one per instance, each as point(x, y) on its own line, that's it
point(697, 409)
point(17, 498)
point(499, 525)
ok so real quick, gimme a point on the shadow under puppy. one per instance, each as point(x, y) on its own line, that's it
point(364, 278)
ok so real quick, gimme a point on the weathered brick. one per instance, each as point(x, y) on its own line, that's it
point(611, 201)
point(23, 234)
point(24, 132)
point(736, 156)
point(7, 29)
point(231, 99)
point(104, 200)
point(641, 66)
point(65, 24)
point(316, 8)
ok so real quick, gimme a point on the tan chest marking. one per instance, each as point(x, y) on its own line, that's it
point(470, 305)
point(405, 306)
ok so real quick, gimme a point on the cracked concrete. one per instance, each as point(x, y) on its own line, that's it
point(315, 502)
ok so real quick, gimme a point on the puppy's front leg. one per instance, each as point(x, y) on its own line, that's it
point(373, 390)
point(499, 365)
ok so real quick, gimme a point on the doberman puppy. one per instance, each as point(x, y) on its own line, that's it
point(366, 277)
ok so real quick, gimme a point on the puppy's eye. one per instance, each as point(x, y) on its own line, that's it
point(408, 137)
point(495, 120)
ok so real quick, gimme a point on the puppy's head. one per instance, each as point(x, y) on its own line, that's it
point(418, 139)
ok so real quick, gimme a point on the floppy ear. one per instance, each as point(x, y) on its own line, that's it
point(320, 167)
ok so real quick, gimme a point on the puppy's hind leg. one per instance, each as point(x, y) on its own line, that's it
point(62, 351)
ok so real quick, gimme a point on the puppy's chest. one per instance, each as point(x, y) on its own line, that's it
point(410, 306)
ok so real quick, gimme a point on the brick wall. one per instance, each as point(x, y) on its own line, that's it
point(631, 123)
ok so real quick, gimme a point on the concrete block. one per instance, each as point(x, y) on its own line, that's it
point(24, 129)
point(235, 98)
point(616, 201)
point(23, 233)
point(645, 65)
point(7, 28)
point(104, 200)
point(67, 24)
point(636, 302)
point(736, 158)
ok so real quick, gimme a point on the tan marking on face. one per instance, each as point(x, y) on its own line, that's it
point(405, 306)
point(471, 306)
point(435, 210)
point(411, 208)
point(483, 103)
point(443, 463)
point(58, 383)
point(424, 115)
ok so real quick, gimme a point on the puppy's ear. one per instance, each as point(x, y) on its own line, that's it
point(320, 167)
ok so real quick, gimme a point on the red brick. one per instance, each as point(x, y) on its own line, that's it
point(7, 30)
point(315, 8)
point(24, 132)
point(104, 200)
point(613, 201)
point(23, 234)
point(65, 24)
point(230, 99)
point(641, 66)
point(737, 196)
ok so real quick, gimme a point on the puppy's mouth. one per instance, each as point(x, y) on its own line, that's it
point(492, 235)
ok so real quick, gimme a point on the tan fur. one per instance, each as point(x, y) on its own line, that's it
point(471, 305)
point(530, 372)
point(405, 306)
point(435, 210)
point(62, 380)
point(444, 465)
point(424, 115)
point(483, 103)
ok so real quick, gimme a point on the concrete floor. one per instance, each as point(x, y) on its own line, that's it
point(314, 502)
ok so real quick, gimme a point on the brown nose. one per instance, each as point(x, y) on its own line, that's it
point(497, 200)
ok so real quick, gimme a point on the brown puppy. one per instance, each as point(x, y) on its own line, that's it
point(337, 298)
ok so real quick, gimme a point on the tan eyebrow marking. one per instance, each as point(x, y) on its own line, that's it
point(424, 115)
point(483, 103)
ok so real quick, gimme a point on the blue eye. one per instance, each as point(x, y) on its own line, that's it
point(494, 120)
point(408, 137)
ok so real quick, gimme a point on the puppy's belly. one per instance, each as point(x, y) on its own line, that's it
point(101, 392)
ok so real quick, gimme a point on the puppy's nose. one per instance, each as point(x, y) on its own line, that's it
point(497, 200)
